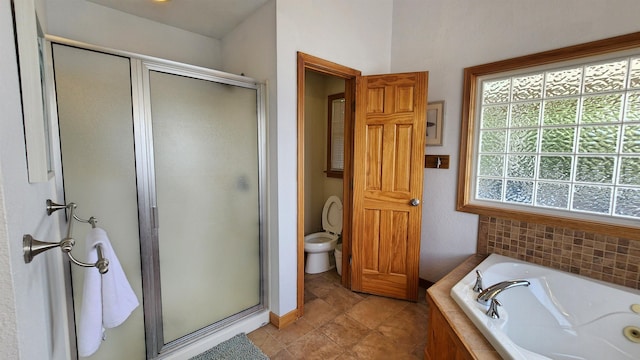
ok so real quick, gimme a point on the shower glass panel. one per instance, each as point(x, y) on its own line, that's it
point(99, 172)
point(207, 189)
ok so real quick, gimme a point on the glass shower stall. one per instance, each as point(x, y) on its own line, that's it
point(171, 160)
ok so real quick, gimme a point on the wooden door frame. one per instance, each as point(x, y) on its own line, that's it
point(310, 62)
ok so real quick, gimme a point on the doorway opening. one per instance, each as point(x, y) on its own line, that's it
point(310, 66)
point(384, 129)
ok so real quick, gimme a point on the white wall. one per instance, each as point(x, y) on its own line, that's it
point(10, 101)
point(250, 48)
point(444, 37)
point(87, 22)
point(26, 317)
point(355, 33)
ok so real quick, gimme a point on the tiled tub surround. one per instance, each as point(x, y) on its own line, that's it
point(611, 259)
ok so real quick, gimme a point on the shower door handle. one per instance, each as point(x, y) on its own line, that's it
point(414, 202)
point(154, 217)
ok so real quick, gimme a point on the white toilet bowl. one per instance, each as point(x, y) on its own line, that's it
point(319, 245)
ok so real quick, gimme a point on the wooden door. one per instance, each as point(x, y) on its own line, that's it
point(389, 139)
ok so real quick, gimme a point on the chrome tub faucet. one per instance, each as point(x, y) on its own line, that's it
point(488, 295)
point(492, 291)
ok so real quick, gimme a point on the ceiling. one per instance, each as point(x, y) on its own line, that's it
point(212, 18)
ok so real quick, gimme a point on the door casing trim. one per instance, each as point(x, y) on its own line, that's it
point(313, 63)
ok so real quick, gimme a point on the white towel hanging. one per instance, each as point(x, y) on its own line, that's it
point(107, 299)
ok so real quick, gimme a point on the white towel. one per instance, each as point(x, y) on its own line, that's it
point(107, 300)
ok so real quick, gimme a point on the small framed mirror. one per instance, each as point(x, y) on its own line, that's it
point(30, 44)
point(335, 135)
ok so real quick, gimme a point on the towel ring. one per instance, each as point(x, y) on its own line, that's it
point(32, 247)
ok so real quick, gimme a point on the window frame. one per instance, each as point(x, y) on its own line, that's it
point(331, 171)
point(471, 97)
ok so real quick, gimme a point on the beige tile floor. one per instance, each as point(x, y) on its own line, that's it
point(340, 324)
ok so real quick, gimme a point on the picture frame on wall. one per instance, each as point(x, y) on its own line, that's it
point(435, 112)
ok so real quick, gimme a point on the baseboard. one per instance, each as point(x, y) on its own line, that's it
point(424, 283)
point(283, 321)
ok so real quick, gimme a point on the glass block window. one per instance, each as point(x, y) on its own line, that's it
point(564, 138)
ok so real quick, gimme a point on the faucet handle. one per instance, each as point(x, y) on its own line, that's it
point(493, 309)
point(478, 286)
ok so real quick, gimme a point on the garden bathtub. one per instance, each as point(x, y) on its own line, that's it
point(558, 316)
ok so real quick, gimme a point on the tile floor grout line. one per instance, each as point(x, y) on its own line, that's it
point(323, 329)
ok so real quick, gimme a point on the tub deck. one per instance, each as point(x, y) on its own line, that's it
point(475, 343)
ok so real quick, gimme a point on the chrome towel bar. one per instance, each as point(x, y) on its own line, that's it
point(32, 247)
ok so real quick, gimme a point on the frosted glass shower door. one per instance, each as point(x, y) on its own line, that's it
point(99, 173)
point(206, 163)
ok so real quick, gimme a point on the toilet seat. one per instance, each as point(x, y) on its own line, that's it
point(332, 215)
point(320, 241)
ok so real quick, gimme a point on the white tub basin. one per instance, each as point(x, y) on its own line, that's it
point(559, 316)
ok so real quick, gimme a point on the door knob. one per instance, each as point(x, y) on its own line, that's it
point(414, 202)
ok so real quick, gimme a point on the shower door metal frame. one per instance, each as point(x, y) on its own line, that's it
point(147, 207)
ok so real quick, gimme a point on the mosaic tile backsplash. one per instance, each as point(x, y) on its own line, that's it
point(611, 259)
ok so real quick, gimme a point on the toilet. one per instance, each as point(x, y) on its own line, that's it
point(319, 245)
